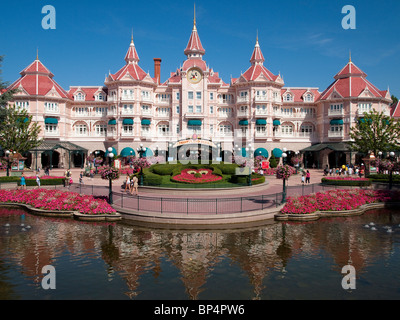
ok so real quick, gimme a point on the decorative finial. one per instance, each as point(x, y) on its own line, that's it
point(350, 56)
point(37, 53)
point(257, 36)
point(194, 15)
point(132, 36)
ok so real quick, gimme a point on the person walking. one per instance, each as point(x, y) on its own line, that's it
point(67, 176)
point(135, 185)
point(127, 182)
point(308, 176)
point(81, 178)
point(23, 182)
point(302, 179)
point(38, 180)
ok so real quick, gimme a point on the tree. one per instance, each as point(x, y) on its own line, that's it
point(5, 95)
point(375, 132)
point(395, 100)
point(272, 161)
point(18, 132)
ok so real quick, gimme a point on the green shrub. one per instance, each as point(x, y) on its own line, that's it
point(151, 179)
point(272, 161)
point(43, 182)
point(164, 169)
point(384, 178)
point(226, 168)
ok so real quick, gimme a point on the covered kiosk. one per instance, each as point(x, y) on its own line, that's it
point(46, 155)
point(332, 154)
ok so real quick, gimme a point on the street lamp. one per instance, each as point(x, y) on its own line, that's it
point(284, 155)
point(141, 150)
point(8, 162)
point(250, 151)
point(110, 157)
point(391, 155)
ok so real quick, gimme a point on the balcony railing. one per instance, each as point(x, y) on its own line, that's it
point(335, 134)
point(243, 99)
point(261, 98)
point(338, 112)
point(241, 113)
point(146, 112)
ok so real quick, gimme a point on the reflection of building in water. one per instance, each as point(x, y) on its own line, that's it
point(132, 253)
point(195, 255)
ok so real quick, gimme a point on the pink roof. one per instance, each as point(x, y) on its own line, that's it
point(257, 70)
point(257, 55)
point(395, 110)
point(132, 55)
point(350, 69)
point(298, 93)
point(36, 79)
point(134, 70)
point(351, 82)
point(194, 45)
point(190, 63)
point(88, 91)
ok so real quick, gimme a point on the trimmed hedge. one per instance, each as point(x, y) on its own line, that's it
point(353, 183)
point(245, 179)
point(380, 177)
point(32, 182)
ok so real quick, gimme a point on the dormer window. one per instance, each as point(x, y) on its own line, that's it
point(288, 97)
point(79, 97)
point(100, 97)
point(308, 97)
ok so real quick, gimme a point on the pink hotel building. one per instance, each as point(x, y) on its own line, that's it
point(134, 108)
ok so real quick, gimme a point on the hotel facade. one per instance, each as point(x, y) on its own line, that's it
point(254, 114)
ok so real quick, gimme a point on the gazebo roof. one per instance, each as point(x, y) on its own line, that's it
point(53, 145)
point(340, 146)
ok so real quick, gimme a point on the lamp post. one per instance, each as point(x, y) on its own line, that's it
point(284, 155)
point(95, 164)
point(110, 157)
point(250, 151)
point(156, 151)
point(8, 162)
point(391, 156)
point(141, 150)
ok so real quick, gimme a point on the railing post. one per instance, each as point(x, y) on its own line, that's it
point(187, 206)
point(122, 200)
point(161, 205)
point(216, 205)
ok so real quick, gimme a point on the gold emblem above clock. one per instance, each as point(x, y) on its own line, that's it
point(194, 75)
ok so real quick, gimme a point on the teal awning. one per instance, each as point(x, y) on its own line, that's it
point(127, 152)
point(113, 151)
point(261, 152)
point(336, 122)
point(244, 152)
point(261, 122)
point(146, 122)
point(112, 122)
point(127, 122)
point(277, 123)
point(51, 121)
point(194, 123)
point(243, 122)
point(148, 153)
point(277, 152)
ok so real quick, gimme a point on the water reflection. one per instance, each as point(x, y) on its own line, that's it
point(276, 261)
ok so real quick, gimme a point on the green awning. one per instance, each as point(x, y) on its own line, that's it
point(51, 121)
point(337, 122)
point(261, 152)
point(146, 122)
point(196, 123)
point(127, 152)
point(243, 122)
point(112, 122)
point(277, 123)
point(127, 122)
point(261, 122)
point(277, 152)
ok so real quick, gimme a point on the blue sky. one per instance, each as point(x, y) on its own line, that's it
point(302, 40)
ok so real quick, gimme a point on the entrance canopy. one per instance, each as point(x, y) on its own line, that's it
point(53, 145)
point(340, 146)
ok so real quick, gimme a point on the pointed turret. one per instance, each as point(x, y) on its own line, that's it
point(131, 55)
point(194, 47)
point(257, 56)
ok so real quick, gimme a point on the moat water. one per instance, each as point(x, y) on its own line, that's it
point(278, 260)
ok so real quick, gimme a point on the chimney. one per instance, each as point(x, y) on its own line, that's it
point(157, 69)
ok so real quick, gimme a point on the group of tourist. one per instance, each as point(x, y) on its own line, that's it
point(345, 170)
point(131, 184)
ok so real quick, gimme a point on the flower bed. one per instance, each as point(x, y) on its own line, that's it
point(55, 200)
point(346, 181)
point(197, 176)
point(337, 200)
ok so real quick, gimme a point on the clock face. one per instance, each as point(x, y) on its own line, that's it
point(194, 75)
